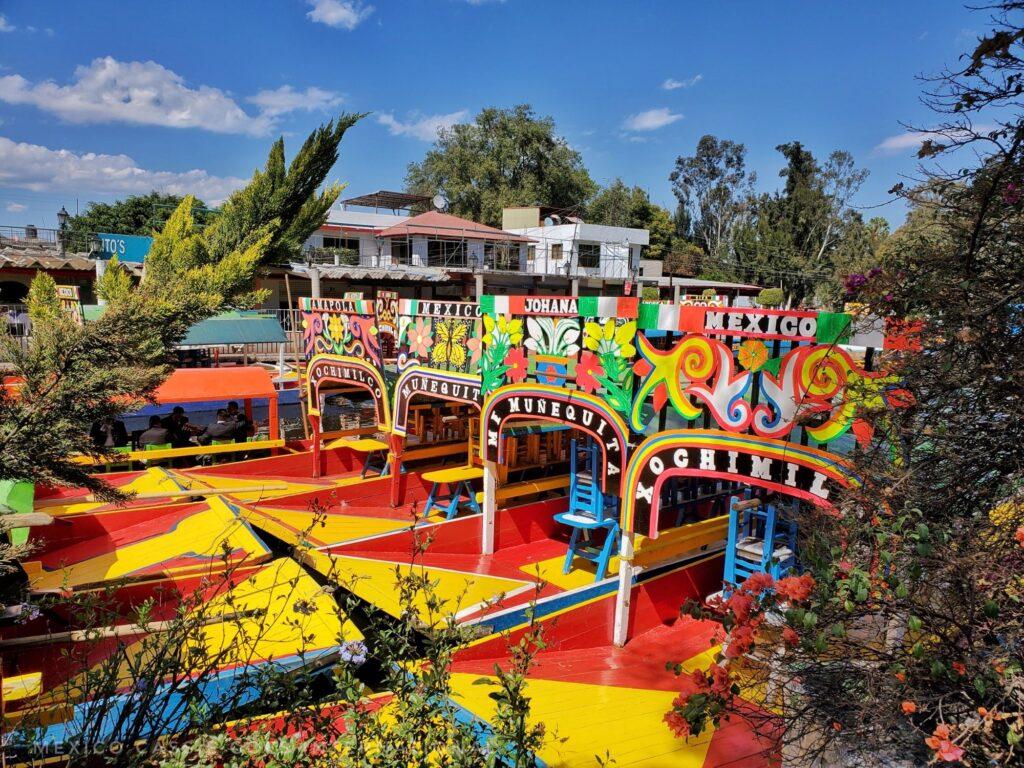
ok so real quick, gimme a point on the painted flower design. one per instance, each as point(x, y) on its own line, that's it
point(587, 371)
point(474, 345)
point(753, 354)
point(503, 330)
point(609, 340)
point(517, 364)
point(336, 328)
point(420, 339)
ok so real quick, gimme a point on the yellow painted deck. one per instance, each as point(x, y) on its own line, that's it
point(191, 546)
point(300, 526)
point(580, 575)
point(375, 581)
point(155, 480)
point(278, 612)
point(626, 723)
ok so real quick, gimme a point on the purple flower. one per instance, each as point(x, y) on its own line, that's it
point(28, 612)
point(1011, 194)
point(354, 652)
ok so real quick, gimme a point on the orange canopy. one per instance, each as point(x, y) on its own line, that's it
point(191, 385)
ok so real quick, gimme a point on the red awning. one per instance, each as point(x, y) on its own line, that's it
point(190, 385)
point(443, 225)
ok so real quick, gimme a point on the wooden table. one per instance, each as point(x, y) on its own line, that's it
point(459, 491)
point(370, 448)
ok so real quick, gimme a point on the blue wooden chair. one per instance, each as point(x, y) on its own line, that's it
point(762, 539)
point(590, 512)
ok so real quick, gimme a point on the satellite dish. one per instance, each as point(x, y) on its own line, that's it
point(440, 201)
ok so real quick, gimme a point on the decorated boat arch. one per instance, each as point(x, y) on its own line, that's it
point(648, 416)
point(342, 345)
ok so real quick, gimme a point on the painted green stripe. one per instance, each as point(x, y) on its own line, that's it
point(833, 328)
point(648, 319)
point(587, 306)
point(487, 304)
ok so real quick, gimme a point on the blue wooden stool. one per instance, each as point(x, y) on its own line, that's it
point(459, 492)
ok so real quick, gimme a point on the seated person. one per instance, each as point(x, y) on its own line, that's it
point(178, 428)
point(157, 434)
point(243, 427)
point(110, 433)
point(223, 429)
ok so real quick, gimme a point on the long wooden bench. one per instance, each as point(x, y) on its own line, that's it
point(678, 541)
point(174, 453)
point(529, 487)
point(434, 451)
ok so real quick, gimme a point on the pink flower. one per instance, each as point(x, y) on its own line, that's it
point(943, 745)
point(757, 583)
point(796, 589)
point(1019, 535)
point(908, 707)
point(517, 365)
point(420, 339)
point(587, 371)
point(473, 344)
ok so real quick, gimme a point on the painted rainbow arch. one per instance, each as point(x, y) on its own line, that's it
point(778, 465)
point(446, 385)
point(543, 402)
point(344, 369)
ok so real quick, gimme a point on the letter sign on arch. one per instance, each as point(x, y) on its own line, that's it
point(778, 465)
point(446, 385)
point(540, 402)
point(343, 369)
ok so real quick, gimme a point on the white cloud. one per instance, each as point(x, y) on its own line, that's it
point(912, 140)
point(16, 207)
point(423, 127)
point(286, 99)
point(5, 25)
point(41, 169)
point(340, 14)
point(147, 93)
point(651, 120)
point(672, 84)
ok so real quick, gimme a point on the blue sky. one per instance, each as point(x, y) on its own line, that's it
point(105, 98)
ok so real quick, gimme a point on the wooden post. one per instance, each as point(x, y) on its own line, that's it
point(622, 598)
point(489, 508)
point(397, 447)
point(274, 426)
point(303, 416)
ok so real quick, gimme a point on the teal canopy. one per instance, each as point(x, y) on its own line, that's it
point(227, 328)
point(235, 328)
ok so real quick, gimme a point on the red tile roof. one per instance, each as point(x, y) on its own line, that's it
point(437, 224)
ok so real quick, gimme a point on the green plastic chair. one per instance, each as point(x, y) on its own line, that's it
point(126, 462)
point(17, 497)
point(156, 447)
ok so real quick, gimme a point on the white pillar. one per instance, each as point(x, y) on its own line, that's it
point(479, 285)
point(490, 507)
point(101, 268)
point(280, 366)
point(314, 282)
point(622, 598)
point(675, 294)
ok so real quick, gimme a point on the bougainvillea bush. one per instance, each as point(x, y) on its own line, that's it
point(908, 645)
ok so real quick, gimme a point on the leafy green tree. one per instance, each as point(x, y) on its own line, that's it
point(75, 375)
point(43, 304)
point(620, 206)
point(713, 189)
point(135, 215)
point(505, 157)
point(115, 284)
point(908, 647)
